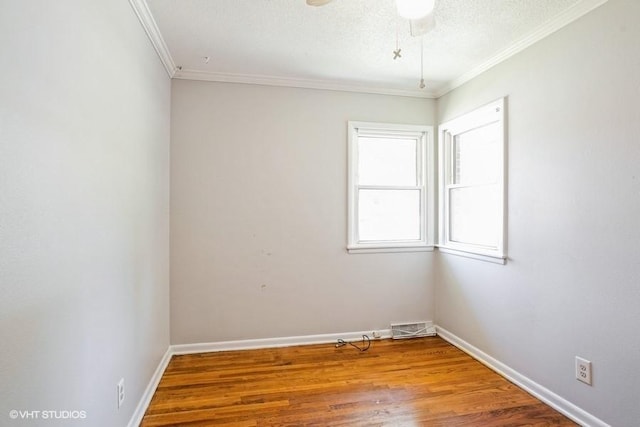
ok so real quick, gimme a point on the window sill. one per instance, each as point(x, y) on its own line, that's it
point(495, 259)
point(385, 249)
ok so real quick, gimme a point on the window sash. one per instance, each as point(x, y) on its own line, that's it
point(481, 228)
point(476, 245)
point(422, 137)
point(412, 215)
point(389, 167)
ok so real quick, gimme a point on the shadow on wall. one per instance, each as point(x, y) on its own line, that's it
point(465, 290)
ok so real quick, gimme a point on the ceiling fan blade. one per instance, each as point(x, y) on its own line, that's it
point(317, 2)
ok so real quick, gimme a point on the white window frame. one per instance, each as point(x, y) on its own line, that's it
point(490, 113)
point(425, 176)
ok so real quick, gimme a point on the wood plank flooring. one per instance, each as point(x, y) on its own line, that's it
point(416, 382)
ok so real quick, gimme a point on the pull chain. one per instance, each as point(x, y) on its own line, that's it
point(397, 53)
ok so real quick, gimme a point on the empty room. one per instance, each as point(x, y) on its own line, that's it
point(320, 212)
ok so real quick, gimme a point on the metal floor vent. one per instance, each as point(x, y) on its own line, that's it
point(412, 330)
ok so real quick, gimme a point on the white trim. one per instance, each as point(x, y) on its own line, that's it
point(145, 399)
point(562, 20)
point(496, 259)
point(547, 396)
point(425, 165)
point(544, 394)
point(253, 344)
point(141, 8)
point(143, 13)
point(493, 112)
point(381, 249)
point(274, 342)
point(185, 74)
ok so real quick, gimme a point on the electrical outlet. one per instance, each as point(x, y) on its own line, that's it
point(120, 392)
point(376, 334)
point(583, 370)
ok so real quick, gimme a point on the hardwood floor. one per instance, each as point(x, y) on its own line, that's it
point(416, 382)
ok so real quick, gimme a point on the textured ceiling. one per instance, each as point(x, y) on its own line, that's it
point(347, 42)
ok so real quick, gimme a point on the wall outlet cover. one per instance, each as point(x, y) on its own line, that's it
point(583, 370)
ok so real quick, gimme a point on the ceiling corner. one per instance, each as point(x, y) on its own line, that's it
point(141, 8)
point(301, 83)
point(557, 23)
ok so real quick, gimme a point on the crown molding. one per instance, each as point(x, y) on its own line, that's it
point(297, 83)
point(143, 13)
point(141, 8)
point(578, 10)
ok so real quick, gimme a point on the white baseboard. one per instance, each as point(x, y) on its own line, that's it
point(143, 404)
point(178, 349)
point(272, 342)
point(560, 404)
point(547, 396)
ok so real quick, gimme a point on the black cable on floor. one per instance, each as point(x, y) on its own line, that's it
point(366, 343)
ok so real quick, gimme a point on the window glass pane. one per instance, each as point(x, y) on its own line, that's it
point(475, 155)
point(389, 215)
point(474, 215)
point(387, 161)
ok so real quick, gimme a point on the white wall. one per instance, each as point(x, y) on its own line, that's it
point(259, 214)
point(84, 204)
point(572, 283)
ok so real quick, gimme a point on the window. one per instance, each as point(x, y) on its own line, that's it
point(472, 183)
point(390, 203)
